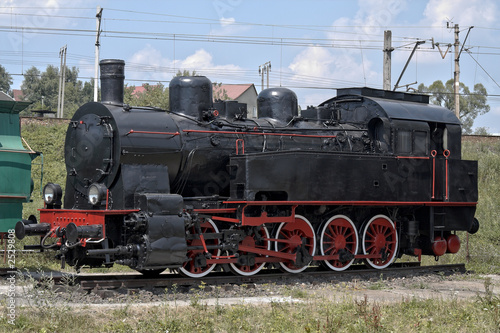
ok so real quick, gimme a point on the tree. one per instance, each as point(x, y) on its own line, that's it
point(481, 131)
point(219, 94)
point(49, 87)
point(186, 73)
point(46, 84)
point(153, 95)
point(472, 104)
point(5, 80)
point(31, 85)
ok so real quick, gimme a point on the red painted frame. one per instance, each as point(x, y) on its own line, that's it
point(263, 218)
point(60, 218)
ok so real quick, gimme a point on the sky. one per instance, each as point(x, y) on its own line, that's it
point(313, 46)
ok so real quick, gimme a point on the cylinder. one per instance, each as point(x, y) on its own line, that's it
point(439, 246)
point(119, 250)
point(22, 230)
point(453, 243)
point(112, 78)
point(74, 232)
point(190, 95)
point(277, 103)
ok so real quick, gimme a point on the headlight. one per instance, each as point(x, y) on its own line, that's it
point(52, 194)
point(97, 192)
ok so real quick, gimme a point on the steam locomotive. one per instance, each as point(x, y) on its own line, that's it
point(368, 175)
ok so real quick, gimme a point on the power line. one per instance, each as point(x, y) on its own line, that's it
point(345, 43)
point(469, 53)
point(247, 40)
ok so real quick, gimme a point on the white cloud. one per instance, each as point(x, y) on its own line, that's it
point(316, 66)
point(200, 59)
point(149, 64)
point(149, 56)
point(226, 21)
point(228, 26)
point(345, 66)
point(463, 12)
point(370, 20)
point(313, 61)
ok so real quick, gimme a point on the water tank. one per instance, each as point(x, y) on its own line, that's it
point(277, 103)
point(190, 95)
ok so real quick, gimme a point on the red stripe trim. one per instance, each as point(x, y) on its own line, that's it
point(261, 133)
point(216, 210)
point(433, 176)
point(413, 157)
point(149, 132)
point(238, 142)
point(88, 212)
point(352, 203)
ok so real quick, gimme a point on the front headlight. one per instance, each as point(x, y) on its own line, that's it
point(97, 192)
point(52, 194)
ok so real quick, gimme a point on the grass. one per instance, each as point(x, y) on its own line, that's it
point(309, 315)
point(49, 140)
point(483, 247)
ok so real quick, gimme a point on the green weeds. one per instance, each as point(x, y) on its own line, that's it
point(311, 315)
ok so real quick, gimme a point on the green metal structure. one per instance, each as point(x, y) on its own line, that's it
point(16, 184)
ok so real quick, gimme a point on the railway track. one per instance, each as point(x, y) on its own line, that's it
point(166, 280)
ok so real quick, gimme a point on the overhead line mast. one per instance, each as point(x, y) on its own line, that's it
point(456, 76)
point(387, 59)
point(96, 68)
point(264, 70)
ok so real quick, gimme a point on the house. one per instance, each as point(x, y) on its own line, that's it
point(243, 93)
point(18, 95)
point(139, 90)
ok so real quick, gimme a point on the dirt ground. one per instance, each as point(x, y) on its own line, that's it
point(383, 290)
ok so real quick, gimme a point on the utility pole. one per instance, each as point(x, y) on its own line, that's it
point(265, 69)
point(387, 59)
point(456, 76)
point(62, 81)
point(60, 85)
point(96, 68)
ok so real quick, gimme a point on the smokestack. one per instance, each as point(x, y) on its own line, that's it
point(112, 78)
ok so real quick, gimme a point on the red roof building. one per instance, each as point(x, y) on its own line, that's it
point(18, 95)
point(138, 90)
point(243, 93)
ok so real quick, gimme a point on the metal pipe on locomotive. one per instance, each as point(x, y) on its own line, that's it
point(367, 175)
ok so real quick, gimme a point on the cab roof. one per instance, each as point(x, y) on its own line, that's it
point(397, 105)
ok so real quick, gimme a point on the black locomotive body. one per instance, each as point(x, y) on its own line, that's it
point(368, 175)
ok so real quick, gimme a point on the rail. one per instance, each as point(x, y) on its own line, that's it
point(111, 281)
